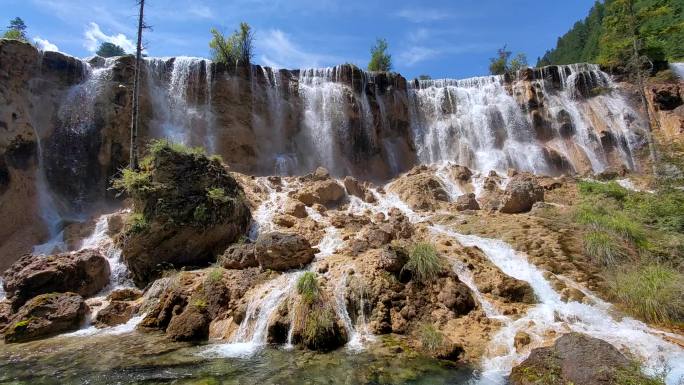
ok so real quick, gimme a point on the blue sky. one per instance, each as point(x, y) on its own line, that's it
point(439, 38)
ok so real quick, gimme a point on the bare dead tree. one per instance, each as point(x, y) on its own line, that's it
point(136, 90)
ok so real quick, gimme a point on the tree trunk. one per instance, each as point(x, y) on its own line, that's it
point(136, 91)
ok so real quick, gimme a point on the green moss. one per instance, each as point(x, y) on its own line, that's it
point(133, 182)
point(199, 303)
point(215, 275)
point(217, 195)
point(424, 262)
point(201, 214)
point(21, 324)
point(307, 287)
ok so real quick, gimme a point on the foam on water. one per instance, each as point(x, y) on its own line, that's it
point(100, 240)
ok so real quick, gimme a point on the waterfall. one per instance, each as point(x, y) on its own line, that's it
point(68, 156)
point(324, 104)
point(486, 123)
point(252, 334)
point(102, 242)
point(2, 290)
point(180, 90)
point(678, 69)
point(357, 330)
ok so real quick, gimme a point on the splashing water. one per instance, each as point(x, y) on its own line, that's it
point(252, 335)
point(678, 69)
point(100, 240)
point(358, 331)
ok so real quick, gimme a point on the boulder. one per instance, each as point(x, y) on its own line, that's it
point(115, 313)
point(325, 192)
point(188, 210)
point(521, 193)
point(514, 290)
point(317, 327)
point(421, 190)
point(191, 325)
point(84, 272)
point(126, 294)
point(521, 340)
point(392, 259)
point(239, 256)
point(46, 315)
point(579, 360)
point(357, 189)
point(295, 209)
point(282, 251)
point(467, 202)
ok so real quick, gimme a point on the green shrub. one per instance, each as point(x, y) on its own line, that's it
point(307, 287)
point(604, 248)
point(201, 214)
point(215, 275)
point(158, 145)
point(424, 262)
point(137, 223)
point(133, 182)
point(199, 303)
point(653, 292)
point(612, 220)
point(217, 195)
point(431, 339)
point(610, 189)
point(319, 319)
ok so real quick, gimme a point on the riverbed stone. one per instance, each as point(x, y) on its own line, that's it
point(46, 315)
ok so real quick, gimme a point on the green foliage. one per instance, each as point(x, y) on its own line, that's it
point(431, 339)
point(158, 145)
point(653, 292)
point(217, 195)
point(608, 34)
point(307, 287)
point(664, 210)
point(137, 223)
point(199, 304)
point(604, 248)
point(21, 324)
point(633, 375)
point(319, 319)
point(16, 30)
point(424, 262)
point(380, 60)
point(502, 63)
point(610, 189)
point(424, 77)
point(215, 275)
point(236, 48)
point(133, 182)
point(108, 49)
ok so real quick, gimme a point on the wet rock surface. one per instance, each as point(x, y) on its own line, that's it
point(85, 272)
point(46, 315)
point(194, 212)
point(283, 251)
point(521, 193)
point(578, 359)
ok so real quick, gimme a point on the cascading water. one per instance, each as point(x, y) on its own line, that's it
point(678, 69)
point(101, 241)
point(482, 124)
point(180, 89)
point(325, 119)
point(68, 156)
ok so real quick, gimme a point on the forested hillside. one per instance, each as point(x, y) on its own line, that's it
point(606, 35)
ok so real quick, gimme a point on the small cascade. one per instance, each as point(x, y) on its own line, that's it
point(252, 334)
point(552, 314)
point(452, 189)
point(2, 290)
point(180, 89)
point(100, 240)
point(263, 216)
point(357, 330)
point(486, 123)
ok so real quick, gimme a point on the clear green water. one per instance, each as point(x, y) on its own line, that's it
point(138, 358)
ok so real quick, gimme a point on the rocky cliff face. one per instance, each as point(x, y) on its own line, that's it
point(64, 125)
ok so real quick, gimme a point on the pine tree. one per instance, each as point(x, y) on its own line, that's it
point(136, 90)
point(16, 30)
point(380, 60)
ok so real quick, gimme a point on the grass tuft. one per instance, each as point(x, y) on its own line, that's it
point(424, 262)
point(610, 189)
point(156, 146)
point(604, 248)
point(307, 287)
point(653, 292)
point(431, 339)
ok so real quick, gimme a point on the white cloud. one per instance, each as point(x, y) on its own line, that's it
point(94, 37)
point(282, 52)
point(417, 54)
point(45, 45)
point(201, 11)
point(416, 15)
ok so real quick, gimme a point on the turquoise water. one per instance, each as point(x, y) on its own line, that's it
point(138, 358)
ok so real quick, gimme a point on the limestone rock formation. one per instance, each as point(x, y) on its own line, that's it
point(578, 359)
point(46, 315)
point(85, 272)
point(521, 193)
point(188, 208)
point(282, 251)
point(420, 189)
point(115, 313)
point(467, 202)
